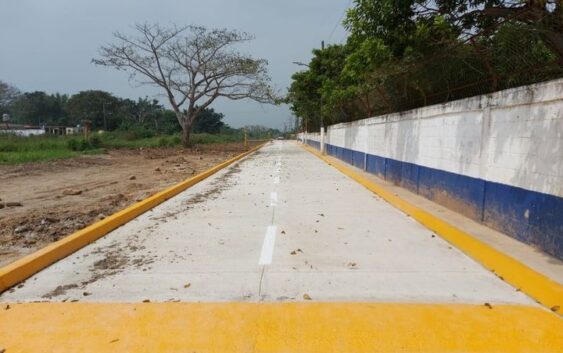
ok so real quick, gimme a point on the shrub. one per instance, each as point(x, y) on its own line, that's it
point(73, 144)
point(176, 140)
point(83, 144)
point(163, 142)
point(95, 141)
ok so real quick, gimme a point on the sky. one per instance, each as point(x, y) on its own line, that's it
point(48, 45)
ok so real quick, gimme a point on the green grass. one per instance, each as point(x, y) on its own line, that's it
point(40, 155)
point(16, 150)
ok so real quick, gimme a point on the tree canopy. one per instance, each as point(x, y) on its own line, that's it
point(405, 54)
point(193, 65)
point(209, 122)
point(8, 94)
point(104, 110)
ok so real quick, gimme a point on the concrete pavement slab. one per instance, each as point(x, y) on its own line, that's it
point(333, 240)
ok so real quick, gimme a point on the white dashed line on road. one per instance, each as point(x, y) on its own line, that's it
point(268, 246)
point(273, 198)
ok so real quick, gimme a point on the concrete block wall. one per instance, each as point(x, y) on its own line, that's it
point(313, 139)
point(496, 158)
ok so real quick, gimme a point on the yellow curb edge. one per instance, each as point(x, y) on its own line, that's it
point(541, 288)
point(27, 266)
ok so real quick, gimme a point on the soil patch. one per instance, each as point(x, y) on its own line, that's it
point(60, 197)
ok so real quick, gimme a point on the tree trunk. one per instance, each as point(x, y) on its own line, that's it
point(186, 137)
point(186, 133)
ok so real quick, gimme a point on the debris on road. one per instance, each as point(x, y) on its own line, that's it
point(72, 192)
point(50, 190)
point(352, 265)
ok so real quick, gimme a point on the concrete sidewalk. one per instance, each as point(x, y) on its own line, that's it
point(280, 225)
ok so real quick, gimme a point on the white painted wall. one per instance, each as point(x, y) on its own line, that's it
point(314, 136)
point(24, 132)
point(513, 137)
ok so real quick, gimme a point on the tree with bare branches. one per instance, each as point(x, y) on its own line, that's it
point(8, 94)
point(192, 64)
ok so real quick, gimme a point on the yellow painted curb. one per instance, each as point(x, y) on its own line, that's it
point(278, 327)
point(541, 288)
point(27, 266)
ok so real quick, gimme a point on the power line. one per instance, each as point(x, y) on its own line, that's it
point(340, 20)
point(344, 37)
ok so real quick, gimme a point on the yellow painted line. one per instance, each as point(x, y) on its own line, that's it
point(278, 327)
point(541, 288)
point(27, 266)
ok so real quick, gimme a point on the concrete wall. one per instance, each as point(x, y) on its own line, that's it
point(496, 158)
point(311, 138)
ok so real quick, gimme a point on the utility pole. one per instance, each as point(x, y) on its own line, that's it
point(321, 105)
point(321, 111)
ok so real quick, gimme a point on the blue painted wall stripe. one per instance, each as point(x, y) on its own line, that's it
point(314, 144)
point(532, 217)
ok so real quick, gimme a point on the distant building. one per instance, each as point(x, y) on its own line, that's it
point(72, 130)
point(21, 130)
point(55, 130)
point(29, 130)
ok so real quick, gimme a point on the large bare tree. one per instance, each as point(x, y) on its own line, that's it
point(193, 65)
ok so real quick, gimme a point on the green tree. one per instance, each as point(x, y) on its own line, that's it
point(209, 122)
point(8, 94)
point(144, 113)
point(393, 21)
point(165, 122)
point(40, 108)
point(305, 99)
point(99, 107)
point(406, 54)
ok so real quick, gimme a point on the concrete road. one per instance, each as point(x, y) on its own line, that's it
point(280, 225)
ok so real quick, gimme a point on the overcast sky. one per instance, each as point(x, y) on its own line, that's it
point(48, 45)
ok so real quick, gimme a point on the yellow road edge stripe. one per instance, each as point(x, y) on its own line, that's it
point(538, 286)
point(27, 266)
point(278, 327)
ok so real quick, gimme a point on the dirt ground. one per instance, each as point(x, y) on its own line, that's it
point(43, 202)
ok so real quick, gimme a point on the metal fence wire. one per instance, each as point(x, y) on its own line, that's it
point(506, 54)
